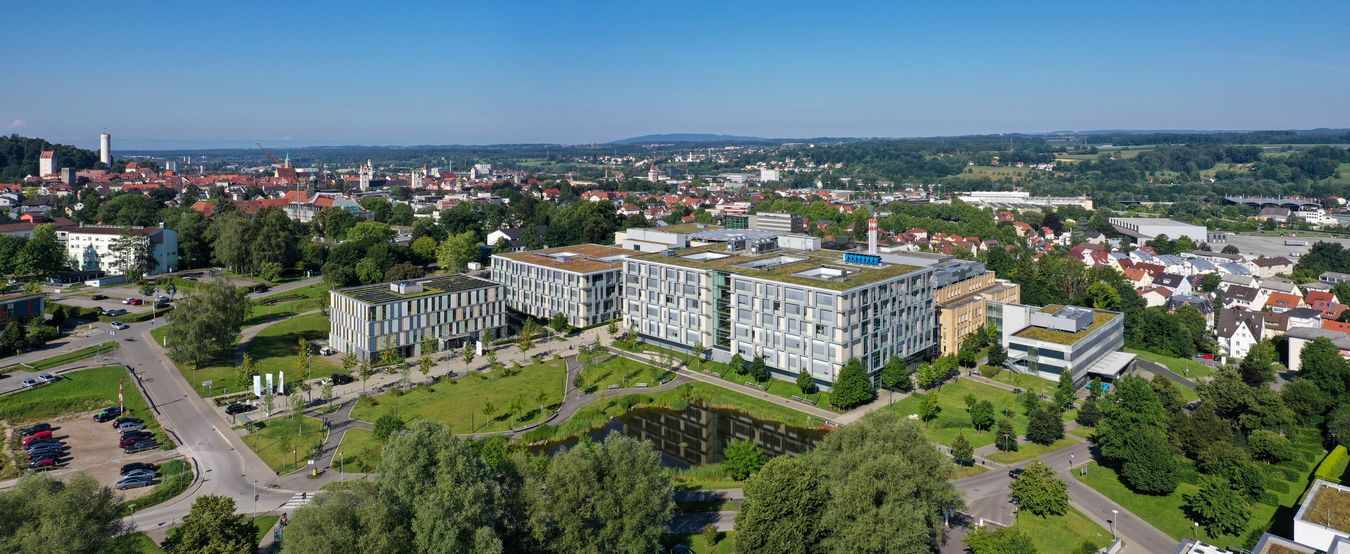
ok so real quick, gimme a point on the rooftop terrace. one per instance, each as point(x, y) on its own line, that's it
point(814, 268)
point(579, 258)
point(1328, 506)
point(380, 293)
point(1099, 318)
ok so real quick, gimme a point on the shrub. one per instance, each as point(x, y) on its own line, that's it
point(990, 371)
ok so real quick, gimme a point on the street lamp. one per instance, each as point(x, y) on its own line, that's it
point(1197, 530)
point(1114, 514)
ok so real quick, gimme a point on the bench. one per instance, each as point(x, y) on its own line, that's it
point(642, 385)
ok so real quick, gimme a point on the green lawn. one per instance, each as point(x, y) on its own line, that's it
point(174, 477)
point(264, 524)
point(289, 303)
point(274, 350)
point(621, 371)
point(1189, 369)
point(63, 359)
point(360, 452)
point(284, 443)
point(1026, 382)
point(1085, 432)
point(789, 389)
point(726, 543)
point(81, 391)
point(1029, 450)
point(776, 387)
point(1062, 533)
point(460, 403)
point(954, 418)
point(962, 472)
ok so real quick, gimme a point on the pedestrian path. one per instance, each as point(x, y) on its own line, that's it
point(299, 500)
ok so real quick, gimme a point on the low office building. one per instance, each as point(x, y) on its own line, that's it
point(1052, 340)
point(1320, 522)
point(962, 291)
point(21, 307)
point(779, 222)
point(800, 310)
point(449, 309)
point(581, 282)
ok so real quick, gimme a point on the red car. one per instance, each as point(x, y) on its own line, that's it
point(37, 436)
point(135, 302)
point(42, 465)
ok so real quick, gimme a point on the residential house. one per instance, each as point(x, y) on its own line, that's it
point(1155, 296)
point(1176, 283)
point(1238, 330)
point(1270, 267)
point(1282, 301)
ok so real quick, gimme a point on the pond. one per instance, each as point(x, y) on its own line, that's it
point(696, 435)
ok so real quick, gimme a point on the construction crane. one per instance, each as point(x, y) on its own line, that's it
point(270, 154)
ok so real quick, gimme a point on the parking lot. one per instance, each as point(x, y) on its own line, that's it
point(94, 451)
point(1271, 247)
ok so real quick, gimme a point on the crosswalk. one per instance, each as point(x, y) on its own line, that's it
point(298, 500)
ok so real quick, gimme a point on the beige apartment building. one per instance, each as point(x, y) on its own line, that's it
point(962, 301)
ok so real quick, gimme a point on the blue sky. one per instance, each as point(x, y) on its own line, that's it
point(195, 74)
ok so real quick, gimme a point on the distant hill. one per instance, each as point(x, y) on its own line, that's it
point(19, 156)
point(689, 137)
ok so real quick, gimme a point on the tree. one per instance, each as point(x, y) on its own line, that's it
point(1321, 362)
point(1103, 296)
point(852, 387)
point(1065, 392)
point(1001, 540)
point(467, 353)
point(982, 415)
point(326, 392)
point(1038, 491)
point(43, 254)
point(928, 406)
point(268, 402)
point(759, 371)
point(612, 496)
point(1270, 446)
point(455, 253)
point(1044, 426)
point(212, 526)
point(349, 361)
point(558, 322)
point(738, 364)
point(365, 371)
point(997, 356)
point(1089, 414)
point(612, 329)
point(1222, 510)
point(805, 383)
point(424, 249)
point(1210, 282)
point(305, 363)
point(245, 371)
point(895, 374)
point(1303, 396)
point(962, 453)
point(1150, 463)
point(783, 505)
point(1231, 249)
point(527, 332)
point(1005, 436)
point(79, 516)
point(204, 325)
point(387, 426)
point(742, 458)
point(1258, 366)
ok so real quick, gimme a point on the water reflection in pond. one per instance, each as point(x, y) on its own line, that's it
point(696, 435)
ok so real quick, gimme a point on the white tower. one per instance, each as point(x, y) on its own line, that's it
point(105, 149)
point(872, 236)
point(367, 172)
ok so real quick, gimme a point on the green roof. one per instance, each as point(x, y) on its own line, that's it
point(1099, 318)
point(786, 273)
point(380, 293)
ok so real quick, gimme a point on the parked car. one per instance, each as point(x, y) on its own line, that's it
point(234, 409)
point(33, 450)
point(136, 302)
point(39, 436)
point(142, 446)
point(98, 297)
point(125, 442)
point(138, 465)
point(122, 420)
point(1016, 472)
point(341, 378)
point(107, 414)
point(327, 351)
point(163, 298)
point(138, 474)
point(119, 325)
point(42, 443)
point(48, 378)
point(42, 465)
point(134, 483)
point(129, 426)
point(127, 300)
point(34, 428)
point(31, 383)
point(114, 312)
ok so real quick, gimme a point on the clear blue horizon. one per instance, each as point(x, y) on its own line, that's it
point(169, 75)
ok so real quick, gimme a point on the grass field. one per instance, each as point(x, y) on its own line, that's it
point(776, 387)
point(284, 443)
point(1062, 533)
point(1011, 173)
point(1026, 382)
point(460, 404)
point(1344, 179)
point(360, 452)
point(1029, 450)
point(1189, 369)
point(726, 543)
point(954, 418)
point(962, 472)
point(274, 350)
point(1166, 513)
point(81, 391)
point(704, 477)
point(63, 359)
point(289, 303)
point(621, 371)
